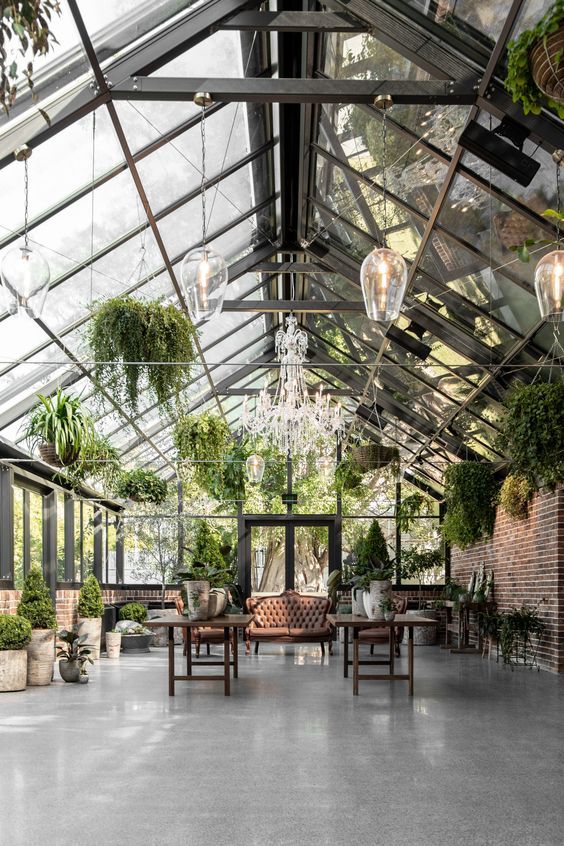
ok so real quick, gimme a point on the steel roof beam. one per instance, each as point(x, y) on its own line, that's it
point(293, 21)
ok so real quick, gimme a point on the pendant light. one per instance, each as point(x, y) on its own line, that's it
point(549, 273)
point(255, 468)
point(383, 275)
point(25, 273)
point(203, 273)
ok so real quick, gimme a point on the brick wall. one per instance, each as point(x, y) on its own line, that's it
point(527, 557)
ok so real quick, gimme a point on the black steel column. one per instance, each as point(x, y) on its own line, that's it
point(243, 552)
point(180, 499)
point(50, 541)
point(69, 539)
point(398, 533)
point(98, 545)
point(26, 535)
point(119, 550)
point(445, 545)
point(6, 523)
point(337, 563)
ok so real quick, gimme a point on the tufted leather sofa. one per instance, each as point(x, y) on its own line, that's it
point(289, 618)
point(380, 635)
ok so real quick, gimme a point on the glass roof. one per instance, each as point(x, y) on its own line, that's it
point(288, 184)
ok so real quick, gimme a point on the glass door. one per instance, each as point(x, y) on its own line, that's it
point(311, 559)
point(268, 559)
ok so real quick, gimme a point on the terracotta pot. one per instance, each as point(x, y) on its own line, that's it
point(546, 70)
point(69, 670)
point(40, 657)
point(13, 669)
point(92, 628)
point(198, 593)
point(113, 644)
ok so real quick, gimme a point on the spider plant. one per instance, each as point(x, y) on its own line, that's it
point(62, 421)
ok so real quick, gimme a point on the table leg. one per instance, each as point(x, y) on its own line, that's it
point(226, 661)
point(355, 661)
point(235, 654)
point(189, 651)
point(392, 648)
point(410, 659)
point(346, 653)
point(170, 661)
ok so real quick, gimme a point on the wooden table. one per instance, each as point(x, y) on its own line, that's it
point(227, 623)
point(356, 623)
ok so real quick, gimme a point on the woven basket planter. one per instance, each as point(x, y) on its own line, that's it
point(373, 456)
point(49, 454)
point(547, 72)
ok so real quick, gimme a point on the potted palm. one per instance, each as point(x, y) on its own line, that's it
point(73, 652)
point(90, 611)
point(61, 429)
point(36, 606)
point(15, 634)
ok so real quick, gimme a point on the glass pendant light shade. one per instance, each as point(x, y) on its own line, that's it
point(255, 468)
point(549, 286)
point(325, 466)
point(25, 276)
point(204, 280)
point(383, 278)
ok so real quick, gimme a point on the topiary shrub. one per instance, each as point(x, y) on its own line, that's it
point(133, 611)
point(373, 558)
point(90, 602)
point(36, 604)
point(514, 496)
point(15, 631)
point(533, 433)
point(470, 497)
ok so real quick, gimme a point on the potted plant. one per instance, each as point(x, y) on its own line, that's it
point(100, 462)
point(388, 608)
point(533, 433)
point(420, 562)
point(15, 634)
point(205, 440)
point(113, 643)
point(535, 73)
point(348, 475)
point(374, 456)
point(514, 496)
point(90, 611)
point(375, 566)
point(60, 428)
point(135, 637)
point(470, 497)
point(207, 577)
point(73, 654)
point(36, 606)
point(134, 342)
point(141, 486)
point(133, 611)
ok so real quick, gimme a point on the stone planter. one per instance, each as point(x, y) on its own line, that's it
point(136, 642)
point(389, 616)
point(160, 635)
point(198, 593)
point(13, 669)
point(92, 628)
point(217, 602)
point(83, 678)
point(40, 657)
point(424, 635)
point(113, 644)
point(379, 588)
point(69, 670)
point(358, 602)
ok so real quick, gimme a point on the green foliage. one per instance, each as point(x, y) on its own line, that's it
point(420, 562)
point(372, 556)
point(101, 464)
point(141, 486)
point(75, 647)
point(533, 433)
point(36, 604)
point(519, 82)
point(133, 340)
point(523, 250)
point(470, 497)
point(90, 602)
point(205, 440)
point(15, 631)
point(516, 629)
point(411, 507)
point(514, 496)
point(208, 562)
point(62, 421)
point(348, 475)
point(133, 611)
point(30, 22)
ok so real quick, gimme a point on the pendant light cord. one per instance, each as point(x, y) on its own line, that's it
point(93, 174)
point(384, 182)
point(558, 205)
point(203, 189)
point(26, 203)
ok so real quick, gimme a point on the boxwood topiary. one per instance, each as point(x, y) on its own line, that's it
point(36, 604)
point(90, 602)
point(133, 611)
point(15, 631)
point(470, 497)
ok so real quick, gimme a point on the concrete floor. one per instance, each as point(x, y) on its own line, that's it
point(476, 757)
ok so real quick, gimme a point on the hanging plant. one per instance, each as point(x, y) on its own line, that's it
point(29, 23)
point(411, 507)
point(141, 486)
point(348, 475)
point(470, 496)
point(533, 433)
point(61, 428)
point(100, 464)
point(514, 496)
point(535, 77)
point(372, 456)
point(133, 341)
point(205, 440)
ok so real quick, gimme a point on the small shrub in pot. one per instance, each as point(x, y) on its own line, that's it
point(15, 634)
point(36, 606)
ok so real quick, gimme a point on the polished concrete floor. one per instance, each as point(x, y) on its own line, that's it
point(475, 757)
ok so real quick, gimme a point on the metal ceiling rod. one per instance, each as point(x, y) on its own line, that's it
point(291, 21)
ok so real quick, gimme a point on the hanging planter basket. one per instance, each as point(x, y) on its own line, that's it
point(546, 66)
point(374, 456)
point(50, 455)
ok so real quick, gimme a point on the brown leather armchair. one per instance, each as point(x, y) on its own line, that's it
point(380, 635)
point(201, 634)
point(289, 618)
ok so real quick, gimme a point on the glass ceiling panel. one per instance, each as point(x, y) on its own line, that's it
point(470, 20)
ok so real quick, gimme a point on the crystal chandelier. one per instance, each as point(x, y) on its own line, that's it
point(383, 274)
point(25, 273)
point(291, 421)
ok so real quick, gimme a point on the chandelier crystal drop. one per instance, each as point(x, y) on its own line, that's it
point(290, 420)
point(325, 466)
point(24, 272)
point(203, 274)
point(255, 468)
point(383, 274)
point(549, 286)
